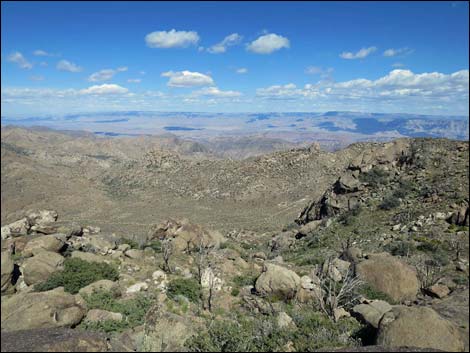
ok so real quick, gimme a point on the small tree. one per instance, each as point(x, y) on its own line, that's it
point(167, 248)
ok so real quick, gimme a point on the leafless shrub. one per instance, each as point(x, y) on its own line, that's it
point(429, 272)
point(333, 294)
point(167, 248)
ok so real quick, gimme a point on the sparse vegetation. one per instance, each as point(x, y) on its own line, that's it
point(78, 274)
point(187, 287)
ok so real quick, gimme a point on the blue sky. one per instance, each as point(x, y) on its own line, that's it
point(60, 57)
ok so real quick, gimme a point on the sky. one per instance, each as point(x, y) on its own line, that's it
point(392, 57)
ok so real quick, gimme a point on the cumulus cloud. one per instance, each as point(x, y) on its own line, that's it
point(394, 52)
point(268, 43)
point(402, 86)
point(187, 79)
point(121, 69)
point(242, 70)
point(325, 73)
point(215, 92)
point(361, 54)
point(134, 80)
point(65, 65)
point(20, 60)
point(171, 39)
point(230, 40)
point(104, 89)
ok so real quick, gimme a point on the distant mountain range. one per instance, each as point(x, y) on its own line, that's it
point(334, 126)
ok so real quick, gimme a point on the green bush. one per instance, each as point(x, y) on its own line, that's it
point(247, 280)
point(133, 311)
point(235, 292)
point(77, 274)
point(349, 217)
point(156, 245)
point(372, 294)
point(188, 287)
point(262, 334)
point(389, 203)
point(401, 248)
point(374, 177)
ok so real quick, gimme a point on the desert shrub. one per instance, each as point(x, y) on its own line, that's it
point(235, 292)
point(156, 245)
point(77, 274)
point(401, 248)
point(262, 334)
point(131, 242)
point(246, 280)
point(374, 177)
point(373, 294)
point(133, 311)
point(389, 202)
point(349, 217)
point(434, 249)
point(187, 287)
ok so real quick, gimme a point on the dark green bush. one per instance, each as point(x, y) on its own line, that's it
point(349, 217)
point(188, 287)
point(247, 280)
point(156, 245)
point(389, 203)
point(372, 294)
point(77, 274)
point(401, 248)
point(374, 177)
point(133, 310)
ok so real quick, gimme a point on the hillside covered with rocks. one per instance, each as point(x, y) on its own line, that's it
point(363, 249)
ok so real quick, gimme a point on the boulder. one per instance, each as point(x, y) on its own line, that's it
point(135, 288)
point(389, 275)
point(7, 267)
point(43, 217)
point(372, 312)
point(418, 327)
point(260, 255)
point(277, 281)
point(52, 242)
point(352, 255)
point(438, 290)
point(98, 315)
point(101, 243)
point(38, 268)
point(186, 236)
point(339, 313)
point(310, 289)
point(104, 285)
point(308, 228)
point(460, 217)
point(86, 256)
point(53, 340)
point(209, 279)
point(16, 229)
point(283, 320)
point(53, 308)
point(134, 254)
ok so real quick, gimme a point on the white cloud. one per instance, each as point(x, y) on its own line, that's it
point(104, 89)
point(404, 87)
point(230, 40)
point(398, 65)
point(102, 75)
point(40, 52)
point(65, 65)
point(37, 78)
point(142, 72)
point(361, 54)
point(121, 69)
point(187, 79)
point(242, 70)
point(215, 92)
point(395, 52)
point(134, 80)
point(268, 43)
point(317, 70)
point(171, 39)
point(20, 60)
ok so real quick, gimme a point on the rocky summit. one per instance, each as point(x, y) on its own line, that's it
point(159, 244)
